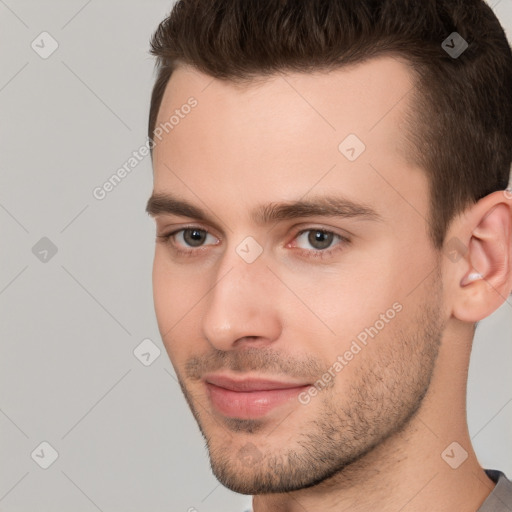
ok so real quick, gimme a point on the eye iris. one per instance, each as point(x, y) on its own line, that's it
point(194, 237)
point(320, 239)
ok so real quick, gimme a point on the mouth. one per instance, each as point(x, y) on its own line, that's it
point(249, 398)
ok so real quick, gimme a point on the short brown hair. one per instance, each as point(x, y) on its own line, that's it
point(461, 130)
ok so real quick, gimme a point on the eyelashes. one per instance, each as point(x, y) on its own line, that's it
point(190, 240)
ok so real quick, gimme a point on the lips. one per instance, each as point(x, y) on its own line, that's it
point(250, 384)
point(250, 397)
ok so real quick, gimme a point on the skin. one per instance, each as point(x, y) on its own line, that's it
point(373, 438)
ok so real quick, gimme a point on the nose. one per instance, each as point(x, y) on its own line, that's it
point(242, 308)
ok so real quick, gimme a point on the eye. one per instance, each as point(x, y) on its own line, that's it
point(187, 241)
point(321, 240)
point(308, 243)
point(192, 237)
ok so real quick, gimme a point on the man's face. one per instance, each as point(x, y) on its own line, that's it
point(340, 310)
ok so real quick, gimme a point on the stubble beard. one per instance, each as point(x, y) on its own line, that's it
point(380, 401)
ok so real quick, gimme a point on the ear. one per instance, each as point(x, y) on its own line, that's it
point(479, 265)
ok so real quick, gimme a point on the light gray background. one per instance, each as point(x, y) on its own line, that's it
point(125, 438)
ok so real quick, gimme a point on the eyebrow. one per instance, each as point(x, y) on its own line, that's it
point(321, 206)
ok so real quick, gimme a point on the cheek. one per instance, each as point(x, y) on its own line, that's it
point(341, 301)
point(163, 297)
point(351, 310)
point(172, 301)
point(175, 294)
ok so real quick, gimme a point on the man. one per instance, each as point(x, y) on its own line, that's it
point(332, 222)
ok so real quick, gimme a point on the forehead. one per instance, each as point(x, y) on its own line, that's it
point(284, 134)
point(361, 90)
point(368, 99)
